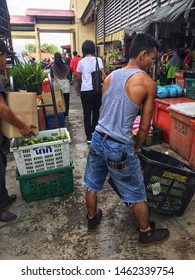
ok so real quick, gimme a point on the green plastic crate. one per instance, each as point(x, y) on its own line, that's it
point(45, 184)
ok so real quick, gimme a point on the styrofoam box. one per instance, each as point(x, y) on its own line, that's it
point(187, 108)
point(42, 156)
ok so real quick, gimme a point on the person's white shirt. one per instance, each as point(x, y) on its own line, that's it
point(85, 67)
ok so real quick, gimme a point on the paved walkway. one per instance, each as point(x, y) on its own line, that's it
point(55, 228)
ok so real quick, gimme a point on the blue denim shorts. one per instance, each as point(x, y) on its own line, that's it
point(119, 161)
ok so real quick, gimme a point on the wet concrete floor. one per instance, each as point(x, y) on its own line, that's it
point(55, 228)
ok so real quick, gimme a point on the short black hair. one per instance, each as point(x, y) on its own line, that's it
point(142, 42)
point(74, 53)
point(88, 47)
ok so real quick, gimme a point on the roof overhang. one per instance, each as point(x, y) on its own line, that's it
point(88, 14)
point(141, 26)
point(169, 14)
point(173, 12)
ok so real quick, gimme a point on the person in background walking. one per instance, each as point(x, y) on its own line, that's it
point(91, 103)
point(73, 65)
point(59, 71)
point(174, 64)
point(113, 150)
point(68, 59)
point(25, 129)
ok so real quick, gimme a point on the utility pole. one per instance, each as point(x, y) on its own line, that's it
point(155, 65)
point(158, 4)
point(104, 22)
point(95, 23)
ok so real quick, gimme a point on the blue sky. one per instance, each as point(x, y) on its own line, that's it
point(19, 7)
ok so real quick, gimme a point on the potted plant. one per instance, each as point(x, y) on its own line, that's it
point(28, 77)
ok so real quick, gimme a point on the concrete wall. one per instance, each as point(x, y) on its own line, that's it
point(82, 32)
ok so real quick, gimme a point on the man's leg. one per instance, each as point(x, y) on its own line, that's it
point(67, 102)
point(95, 174)
point(147, 234)
point(91, 202)
point(3, 190)
point(87, 103)
point(94, 215)
point(140, 210)
point(5, 199)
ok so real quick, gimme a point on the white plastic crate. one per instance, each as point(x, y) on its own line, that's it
point(42, 156)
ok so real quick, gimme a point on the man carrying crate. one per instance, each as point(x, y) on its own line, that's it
point(26, 130)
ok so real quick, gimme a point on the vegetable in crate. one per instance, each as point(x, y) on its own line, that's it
point(45, 154)
point(45, 139)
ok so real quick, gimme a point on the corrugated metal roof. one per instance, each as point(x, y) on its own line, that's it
point(51, 13)
point(21, 19)
point(172, 12)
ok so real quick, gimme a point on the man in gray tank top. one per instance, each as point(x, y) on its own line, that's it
point(113, 150)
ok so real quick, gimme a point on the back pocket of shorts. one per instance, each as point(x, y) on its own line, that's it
point(119, 166)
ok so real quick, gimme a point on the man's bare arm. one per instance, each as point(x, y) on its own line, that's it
point(146, 116)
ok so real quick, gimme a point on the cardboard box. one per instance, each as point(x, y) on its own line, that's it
point(47, 99)
point(41, 114)
point(24, 106)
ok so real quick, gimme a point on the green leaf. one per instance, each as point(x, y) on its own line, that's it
point(25, 75)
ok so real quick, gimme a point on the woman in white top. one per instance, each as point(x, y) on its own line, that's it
point(60, 70)
point(90, 102)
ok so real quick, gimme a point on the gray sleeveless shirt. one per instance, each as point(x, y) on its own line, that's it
point(118, 112)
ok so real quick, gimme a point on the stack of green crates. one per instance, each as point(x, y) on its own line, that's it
point(45, 184)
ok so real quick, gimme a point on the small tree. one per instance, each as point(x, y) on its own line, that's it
point(30, 48)
point(45, 47)
point(50, 48)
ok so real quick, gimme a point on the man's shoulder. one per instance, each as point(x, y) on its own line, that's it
point(147, 82)
point(142, 79)
point(145, 76)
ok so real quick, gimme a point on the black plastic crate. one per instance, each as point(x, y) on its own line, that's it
point(154, 138)
point(170, 183)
